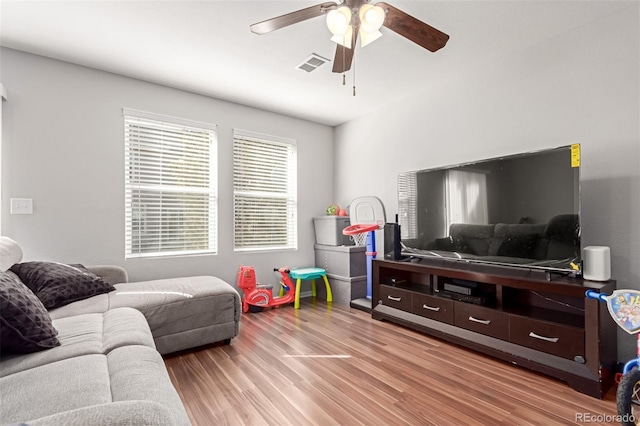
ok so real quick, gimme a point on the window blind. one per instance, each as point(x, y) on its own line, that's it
point(264, 192)
point(407, 204)
point(170, 186)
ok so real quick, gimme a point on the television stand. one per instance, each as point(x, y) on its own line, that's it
point(546, 326)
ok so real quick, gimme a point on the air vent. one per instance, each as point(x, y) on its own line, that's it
point(312, 63)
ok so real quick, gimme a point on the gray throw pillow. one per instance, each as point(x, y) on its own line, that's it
point(57, 284)
point(25, 324)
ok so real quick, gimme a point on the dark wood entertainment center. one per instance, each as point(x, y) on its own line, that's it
point(524, 316)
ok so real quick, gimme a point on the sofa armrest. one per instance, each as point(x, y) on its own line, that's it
point(112, 274)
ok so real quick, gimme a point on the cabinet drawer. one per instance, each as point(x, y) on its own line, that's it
point(436, 308)
point(556, 339)
point(482, 320)
point(395, 297)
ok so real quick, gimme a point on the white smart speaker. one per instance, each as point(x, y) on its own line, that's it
point(596, 262)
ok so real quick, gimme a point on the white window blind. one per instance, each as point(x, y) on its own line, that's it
point(170, 186)
point(264, 192)
point(408, 205)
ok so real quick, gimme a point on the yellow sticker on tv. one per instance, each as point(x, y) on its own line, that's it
point(575, 155)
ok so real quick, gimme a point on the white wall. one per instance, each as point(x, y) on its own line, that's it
point(3, 97)
point(63, 147)
point(580, 87)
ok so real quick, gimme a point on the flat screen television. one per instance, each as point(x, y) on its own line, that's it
point(520, 210)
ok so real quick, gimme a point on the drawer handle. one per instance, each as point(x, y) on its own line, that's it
point(431, 308)
point(485, 322)
point(548, 339)
point(395, 299)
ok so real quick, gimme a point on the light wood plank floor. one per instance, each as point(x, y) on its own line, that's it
point(332, 365)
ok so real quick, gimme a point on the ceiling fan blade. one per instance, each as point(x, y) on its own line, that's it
point(292, 18)
point(413, 29)
point(344, 55)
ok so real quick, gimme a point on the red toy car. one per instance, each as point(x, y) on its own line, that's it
point(257, 296)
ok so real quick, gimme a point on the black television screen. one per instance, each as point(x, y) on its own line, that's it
point(517, 210)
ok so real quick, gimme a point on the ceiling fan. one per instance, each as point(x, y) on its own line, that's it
point(349, 18)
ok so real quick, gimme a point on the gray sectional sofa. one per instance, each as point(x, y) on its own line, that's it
point(102, 363)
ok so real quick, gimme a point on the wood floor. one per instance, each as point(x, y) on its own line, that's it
point(332, 365)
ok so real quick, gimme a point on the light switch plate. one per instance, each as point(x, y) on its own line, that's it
point(21, 206)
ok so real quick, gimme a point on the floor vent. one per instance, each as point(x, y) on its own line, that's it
point(312, 63)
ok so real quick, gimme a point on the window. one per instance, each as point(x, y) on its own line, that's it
point(170, 186)
point(407, 205)
point(264, 192)
point(466, 197)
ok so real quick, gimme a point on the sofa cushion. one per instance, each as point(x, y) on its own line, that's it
point(152, 380)
point(513, 232)
point(97, 304)
point(85, 335)
point(522, 246)
point(26, 325)
point(473, 239)
point(130, 373)
point(183, 312)
point(57, 284)
point(459, 243)
point(113, 413)
point(59, 386)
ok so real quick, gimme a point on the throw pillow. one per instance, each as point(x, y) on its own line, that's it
point(519, 246)
point(25, 324)
point(57, 284)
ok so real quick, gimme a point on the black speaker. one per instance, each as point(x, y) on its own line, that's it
point(392, 241)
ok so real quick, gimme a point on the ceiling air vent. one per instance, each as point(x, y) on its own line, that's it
point(312, 63)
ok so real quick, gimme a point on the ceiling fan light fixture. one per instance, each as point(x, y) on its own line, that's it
point(345, 39)
point(371, 18)
point(345, 17)
point(368, 37)
point(339, 20)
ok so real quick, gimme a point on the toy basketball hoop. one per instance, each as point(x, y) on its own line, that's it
point(359, 232)
point(367, 215)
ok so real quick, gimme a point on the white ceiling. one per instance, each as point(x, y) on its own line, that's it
point(206, 47)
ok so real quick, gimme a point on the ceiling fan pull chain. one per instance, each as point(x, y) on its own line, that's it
point(344, 72)
point(354, 71)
